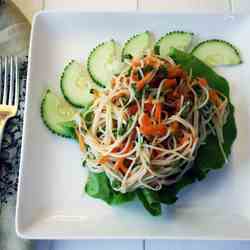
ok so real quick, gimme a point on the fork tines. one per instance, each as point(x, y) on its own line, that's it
point(9, 80)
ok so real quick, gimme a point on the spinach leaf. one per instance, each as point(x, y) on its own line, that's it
point(168, 194)
point(119, 198)
point(98, 186)
point(150, 200)
point(211, 149)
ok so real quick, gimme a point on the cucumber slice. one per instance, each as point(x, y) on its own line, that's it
point(54, 112)
point(137, 45)
point(103, 62)
point(217, 52)
point(76, 85)
point(178, 39)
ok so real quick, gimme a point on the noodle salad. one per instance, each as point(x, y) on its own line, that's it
point(149, 132)
point(148, 126)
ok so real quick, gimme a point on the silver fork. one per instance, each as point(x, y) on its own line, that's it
point(9, 90)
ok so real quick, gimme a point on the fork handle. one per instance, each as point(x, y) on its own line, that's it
point(2, 126)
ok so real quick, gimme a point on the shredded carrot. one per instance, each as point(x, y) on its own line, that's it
point(148, 78)
point(154, 130)
point(158, 110)
point(132, 109)
point(124, 169)
point(152, 61)
point(183, 139)
point(113, 82)
point(148, 104)
point(214, 97)
point(80, 139)
point(176, 93)
point(133, 135)
point(149, 99)
point(127, 148)
point(119, 165)
point(175, 71)
point(116, 149)
point(136, 62)
point(174, 127)
point(202, 81)
point(103, 159)
point(124, 148)
point(160, 129)
point(170, 83)
point(148, 128)
point(148, 107)
point(145, 120)
point(134, 75)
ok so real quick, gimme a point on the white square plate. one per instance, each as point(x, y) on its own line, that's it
point(51, 203)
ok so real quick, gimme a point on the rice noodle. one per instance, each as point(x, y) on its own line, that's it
point(153, 161)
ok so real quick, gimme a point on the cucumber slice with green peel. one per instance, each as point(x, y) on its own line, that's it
point(217, 52)
point(178, 39)
point(103, 62)
point(137, 45)
point(54, 112)
point(76, 84)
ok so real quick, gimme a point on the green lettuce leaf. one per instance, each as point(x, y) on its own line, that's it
point(168, 194)
point(150, 200)
point(98, 186)
point(209, 156)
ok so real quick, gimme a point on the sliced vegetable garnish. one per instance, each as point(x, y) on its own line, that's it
point(76, 84)
point(177, 39)
point(56, 113)
point(137, 45)
point(103, 62)
point(217, 52)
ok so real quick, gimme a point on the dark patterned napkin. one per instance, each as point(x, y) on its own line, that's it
point(9, 168)
point(14, 40)
point(11, 145)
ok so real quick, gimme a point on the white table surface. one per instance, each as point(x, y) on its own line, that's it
point(140, 245)
point(193, 6)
